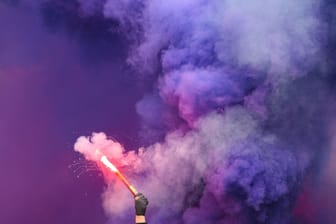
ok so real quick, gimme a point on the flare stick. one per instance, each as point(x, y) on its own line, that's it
point(114, 169)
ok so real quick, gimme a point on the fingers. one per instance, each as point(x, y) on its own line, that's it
point(138, 196)
point(141, 197)
point(146, 201)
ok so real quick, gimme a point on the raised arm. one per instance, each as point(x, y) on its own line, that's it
point(141, 203)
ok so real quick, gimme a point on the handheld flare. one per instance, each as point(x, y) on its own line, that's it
point(114, 169)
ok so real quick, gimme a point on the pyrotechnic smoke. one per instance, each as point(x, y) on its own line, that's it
point(233, 101)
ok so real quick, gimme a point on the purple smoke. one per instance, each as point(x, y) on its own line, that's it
point(232, 107)
point(235, 104)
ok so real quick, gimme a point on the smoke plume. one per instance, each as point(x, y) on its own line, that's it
point(237, 113)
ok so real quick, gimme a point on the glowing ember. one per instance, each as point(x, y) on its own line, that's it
point(107, 163)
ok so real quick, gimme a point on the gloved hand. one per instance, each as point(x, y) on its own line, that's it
point(141, 203)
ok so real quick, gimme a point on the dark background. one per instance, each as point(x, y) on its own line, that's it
point(60, 77)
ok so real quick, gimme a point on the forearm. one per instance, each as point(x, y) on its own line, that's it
point(140, 219)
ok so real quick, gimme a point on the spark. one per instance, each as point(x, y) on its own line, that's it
point(81, 166)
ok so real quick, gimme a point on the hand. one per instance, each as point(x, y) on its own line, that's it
point(141, 203)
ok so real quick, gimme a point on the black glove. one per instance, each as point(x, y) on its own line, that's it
point(141, 203)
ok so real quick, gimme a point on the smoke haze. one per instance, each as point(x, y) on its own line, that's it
point(234, 101)
point(218, 111)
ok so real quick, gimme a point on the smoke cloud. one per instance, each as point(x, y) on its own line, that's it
point(237, 115)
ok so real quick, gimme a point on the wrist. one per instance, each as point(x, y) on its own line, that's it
point(140, 219)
